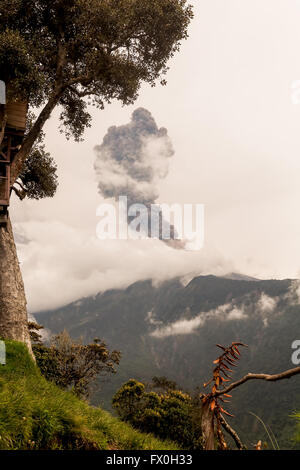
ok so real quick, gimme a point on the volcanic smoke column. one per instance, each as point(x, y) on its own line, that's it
point(131, 161)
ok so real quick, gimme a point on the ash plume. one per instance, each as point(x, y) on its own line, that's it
point(132, 160)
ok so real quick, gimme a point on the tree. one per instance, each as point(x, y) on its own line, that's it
point(213, 421)
point(35, 336)
point(38, 178)
point(163, 383)
point(168, 413)
point(72, 364)
point(71, 53)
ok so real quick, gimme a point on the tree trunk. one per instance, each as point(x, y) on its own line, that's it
point(207, 425)
point(13, 311)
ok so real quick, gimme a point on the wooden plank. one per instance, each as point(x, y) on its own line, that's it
point(3, 219)
point(18, 119)
point(17, 122)
point(16, 115)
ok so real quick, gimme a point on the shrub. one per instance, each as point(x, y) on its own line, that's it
point(169, 413)
point(73, 365)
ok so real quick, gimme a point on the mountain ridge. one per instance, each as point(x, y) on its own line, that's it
point(146, 322)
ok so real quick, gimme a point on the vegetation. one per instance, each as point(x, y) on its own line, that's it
point(70, 54)
point(74, 53)
point(38, 178)
point(297, 417)
point(72, 364)
point(188, 359)
point(166, 412)
point(36, 414)
point(212, 412)
point(172, 414)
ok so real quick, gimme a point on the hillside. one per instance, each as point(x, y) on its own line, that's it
point(35, 414)
point(172, 329)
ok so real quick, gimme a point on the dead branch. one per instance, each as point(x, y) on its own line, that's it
point(213, 412)
point(232, 433)
point(270, 378)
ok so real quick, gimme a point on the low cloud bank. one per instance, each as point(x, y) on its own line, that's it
point(225, 312)
point(61, 264)
point(264, 307)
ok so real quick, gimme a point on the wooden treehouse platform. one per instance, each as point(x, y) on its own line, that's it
point(16, 113)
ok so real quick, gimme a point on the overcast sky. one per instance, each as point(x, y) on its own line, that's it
point(236, 135)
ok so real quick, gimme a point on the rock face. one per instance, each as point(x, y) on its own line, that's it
point(172, 330)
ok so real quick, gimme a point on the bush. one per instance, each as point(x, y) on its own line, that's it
point(169, 414)
point(73, 365)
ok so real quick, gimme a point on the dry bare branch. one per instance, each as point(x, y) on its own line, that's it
point(232, 433)
point(270, 378)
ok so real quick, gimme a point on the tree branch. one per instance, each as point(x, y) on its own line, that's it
point(21, 186)
point(21, 156)
point(81, 94)
point(81, 79)
point(33, 134)
point(21, 194)
point(61, 60)
point(232, 432)
point(270, 378)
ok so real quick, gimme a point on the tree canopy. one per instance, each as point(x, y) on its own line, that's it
point(70, 363)
point(164, 411)
point(38, 178)
point(78, 52)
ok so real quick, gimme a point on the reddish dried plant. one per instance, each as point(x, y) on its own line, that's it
point(221, 376)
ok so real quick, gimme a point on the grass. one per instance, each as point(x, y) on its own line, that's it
point(269, 432)
point(35, 414)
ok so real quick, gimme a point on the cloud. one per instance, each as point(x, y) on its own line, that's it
point(61, 263)
point(266, 304)
point(151, 319)
point(293, 294)
point(226, 312)
point(180, 327)
point(226, 135)
point(236, 314)
point(236, 310)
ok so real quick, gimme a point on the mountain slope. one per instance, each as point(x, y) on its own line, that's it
point(39, 416)
point(172, 330)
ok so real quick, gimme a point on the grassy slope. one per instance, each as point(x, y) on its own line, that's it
point(35, 414)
